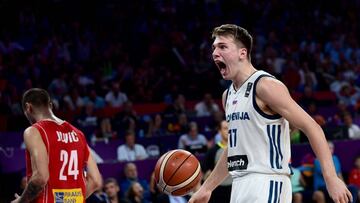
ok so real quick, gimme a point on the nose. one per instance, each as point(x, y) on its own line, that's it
point(215, 53)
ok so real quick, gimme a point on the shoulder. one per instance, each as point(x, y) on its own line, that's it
point(268, 84)
point(121, 147)
point(31, 132)
point(202, 136)
point(139, 146)
point(33, 139)
point(272, 91)
point(183, 136)
point(199, 104)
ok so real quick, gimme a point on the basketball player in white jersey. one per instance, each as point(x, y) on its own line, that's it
point(259, 109)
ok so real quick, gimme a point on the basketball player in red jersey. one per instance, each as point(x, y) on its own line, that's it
point(57, 156)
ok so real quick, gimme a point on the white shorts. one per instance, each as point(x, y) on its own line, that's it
point(261, 188)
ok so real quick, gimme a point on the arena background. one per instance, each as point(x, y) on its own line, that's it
point(156, 50)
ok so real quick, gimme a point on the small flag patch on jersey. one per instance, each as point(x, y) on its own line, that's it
point(59, 197)
point(248, 88)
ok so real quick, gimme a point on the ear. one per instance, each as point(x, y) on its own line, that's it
point(28, 107)
point(51, 105)
point(243, 53)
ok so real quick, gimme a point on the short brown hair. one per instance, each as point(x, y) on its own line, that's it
point(240, 35)
point(111, 180)
point(37, 97)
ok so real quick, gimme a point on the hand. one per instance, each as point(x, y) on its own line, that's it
point(17, 199)
point(200, 196)
point(338, 190)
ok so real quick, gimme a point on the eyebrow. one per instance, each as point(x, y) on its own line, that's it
point(218, 44)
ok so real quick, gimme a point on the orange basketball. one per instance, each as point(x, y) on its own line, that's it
point(177, 172)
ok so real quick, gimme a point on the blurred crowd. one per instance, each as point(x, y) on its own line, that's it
point(93, 56)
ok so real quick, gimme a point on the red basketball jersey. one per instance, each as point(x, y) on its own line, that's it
point(68, 153)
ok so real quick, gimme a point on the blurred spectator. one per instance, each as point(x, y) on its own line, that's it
point(354, 175)
point(115, 98)
point(307, 98)
point(307, 77)
point(321, 195)
point(291, 76)
point(88, 121)
point(181, 125)
point(176, 108)
point(349, 94)
point(222, 192)
point(192, 141)
point(126, 119)
point(94, 98)
point(98, 197)
point(307, 169)
point(353, 129)
point(338, 82)
point(106, 133)
point(73, 100)
point(130, 151)
point(156, 127)
point(131, 176)
point(58, 87)
point(136, 193)
point(220, 130)
point(297, 185)
point(312, 110)
point(8, 46)
point(112, 190)
point(15, 105)
point(207, 107)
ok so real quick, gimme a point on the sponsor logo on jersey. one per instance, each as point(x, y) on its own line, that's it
point(248, 88)
point(237, 116)
point(68, 195)
point(238, 162)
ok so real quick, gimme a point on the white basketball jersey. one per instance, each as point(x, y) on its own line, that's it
point(258, 142)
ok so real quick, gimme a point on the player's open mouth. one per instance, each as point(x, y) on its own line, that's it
point(221, 66)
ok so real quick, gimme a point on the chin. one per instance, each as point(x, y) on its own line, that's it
point(226, 77)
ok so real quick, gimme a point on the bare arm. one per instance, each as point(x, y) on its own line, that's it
point(39, 165)
point(282, 103)
point(93, 176)
point(219, 173)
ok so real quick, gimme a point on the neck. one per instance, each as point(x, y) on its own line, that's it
point(138, 199)
point(46, 115)
point(244, 73)
point(114, 199)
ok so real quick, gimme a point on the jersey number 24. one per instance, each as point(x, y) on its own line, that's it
point(72, 164)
